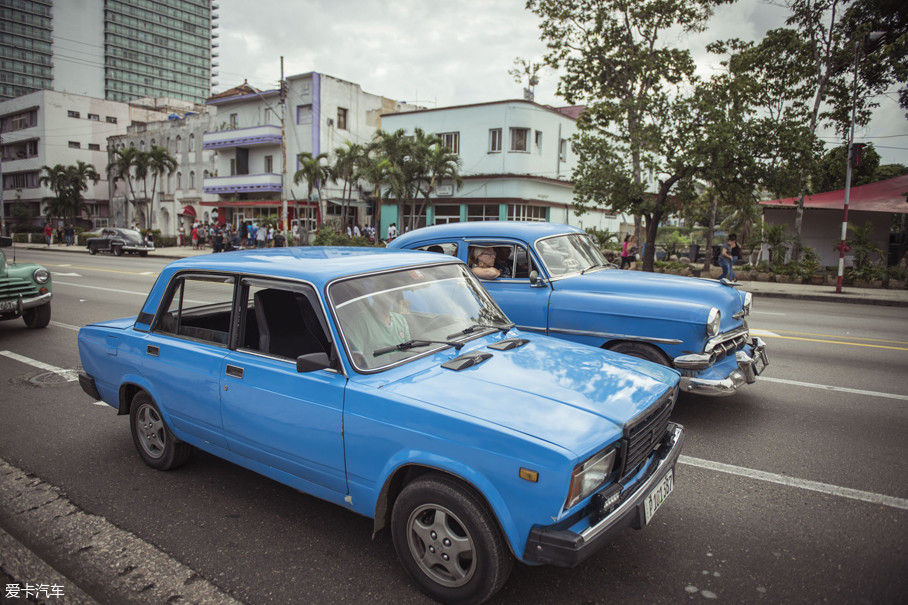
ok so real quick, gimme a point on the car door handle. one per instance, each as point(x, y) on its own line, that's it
point(234, 371)
point(152, 350)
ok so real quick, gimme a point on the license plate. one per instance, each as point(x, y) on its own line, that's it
point(657, 496)
point(8, 305)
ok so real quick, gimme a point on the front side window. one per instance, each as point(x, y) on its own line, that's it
point(511, 260)
point(570, 253)
point(198, 307)
point(519, 139)
point(390, 318)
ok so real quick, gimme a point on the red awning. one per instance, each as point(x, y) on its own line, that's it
point(882, 196)
point(188, 211)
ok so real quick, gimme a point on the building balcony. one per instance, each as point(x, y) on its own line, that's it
point(243, 183)
point(256, 136)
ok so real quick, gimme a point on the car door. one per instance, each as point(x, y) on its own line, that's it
point(273, 414)
point(524, 303)
point(189, 339)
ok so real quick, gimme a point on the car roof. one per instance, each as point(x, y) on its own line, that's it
point(526, 230)
point(317, 264)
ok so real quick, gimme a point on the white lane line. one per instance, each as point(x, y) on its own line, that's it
point(69, 375)
point(755, 311)
point(142, 294)
point(67, 326)
point(66, 274)
point(754, 332)
point(815, 486)
point(826, 387)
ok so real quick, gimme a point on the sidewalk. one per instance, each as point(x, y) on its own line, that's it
point(866, 296)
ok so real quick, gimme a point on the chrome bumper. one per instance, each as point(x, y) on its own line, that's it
point(750, 365)
point(29, 303)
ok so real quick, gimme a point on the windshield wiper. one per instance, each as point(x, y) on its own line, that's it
point(416, 342)
point(476, 327)
point(594, 266)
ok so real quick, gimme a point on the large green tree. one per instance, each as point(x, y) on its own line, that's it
point(158, 162)
point(68, 184)
point(314, 170)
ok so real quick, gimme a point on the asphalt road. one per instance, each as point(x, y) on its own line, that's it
point(795, 490)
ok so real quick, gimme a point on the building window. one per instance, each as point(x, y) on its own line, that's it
point(269, 164)
point(72, 114)
point(94, 146)
point(562, 152)
point(94, 116)
point(179, 144)
point(234, 120)
point(341, 118)
point(75, 145)
point(519, 139)
point(179, 180)
point(32, 148)
point(494, 140)
point(304, 114)
point(451, 140)
point(111, 119)
point(525, 212)
point(447, 213)
point(482, 212)
point(191, 143)
point(141, 145)
point(539, 140)
point(232, 166)
point(192, 179)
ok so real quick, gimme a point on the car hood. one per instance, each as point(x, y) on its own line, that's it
point(570, 395)
point(707, 292)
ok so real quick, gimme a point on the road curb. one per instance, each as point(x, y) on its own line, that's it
point(93, 556)
point(838, 298)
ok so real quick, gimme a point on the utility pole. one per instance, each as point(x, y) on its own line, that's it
point(2, 200)
point(284, 222)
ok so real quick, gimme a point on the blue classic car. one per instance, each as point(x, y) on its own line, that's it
point(391, 384)
point(553, 279)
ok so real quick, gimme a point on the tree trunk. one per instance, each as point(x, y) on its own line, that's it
point(713, 208)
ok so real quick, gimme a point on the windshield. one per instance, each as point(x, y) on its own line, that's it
point(389, 318)
point(570, 253)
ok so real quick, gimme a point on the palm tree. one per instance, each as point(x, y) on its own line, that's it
point(442, 164)
point(68, 183)
point(314, 173)
point(346, 160)
point(121, 168)
point(159, 161)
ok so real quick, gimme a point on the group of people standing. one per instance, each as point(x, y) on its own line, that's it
point(225, 237)
point(62, 235)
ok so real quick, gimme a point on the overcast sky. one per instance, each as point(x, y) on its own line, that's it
point(438, 53)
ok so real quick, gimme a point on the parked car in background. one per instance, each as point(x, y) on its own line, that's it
point(556, 281)
point(119, 241)
point(391, 384)
point(25, 290)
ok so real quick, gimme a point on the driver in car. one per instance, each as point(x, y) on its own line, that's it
point(377, 326)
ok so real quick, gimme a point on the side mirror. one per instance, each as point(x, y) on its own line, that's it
point(535, 281)
point(311, 362)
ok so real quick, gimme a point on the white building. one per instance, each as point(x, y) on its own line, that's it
point(517, 163)
point(46, 128)
point(255, 135)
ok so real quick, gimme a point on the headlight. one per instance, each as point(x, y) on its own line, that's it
point(589, 476)
point(713, 321)
point(41, 275)
point(748, 302)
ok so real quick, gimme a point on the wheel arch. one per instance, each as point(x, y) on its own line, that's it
point(661, 355)
point(407, 473)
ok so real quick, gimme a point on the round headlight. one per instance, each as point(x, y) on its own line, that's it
point(713, 321)
point(41, 275)
point(748, 302)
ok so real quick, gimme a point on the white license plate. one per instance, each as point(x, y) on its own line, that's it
point(759, 363)
point(657, 496)
point(8, 305)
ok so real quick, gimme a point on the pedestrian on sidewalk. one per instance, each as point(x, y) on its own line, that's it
point(182, 232)
point(48, 233)
point(726, 260)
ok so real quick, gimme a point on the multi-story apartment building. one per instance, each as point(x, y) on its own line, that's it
point(254, 135)
point(116, 50)
point(517, 163)
point(46, 128)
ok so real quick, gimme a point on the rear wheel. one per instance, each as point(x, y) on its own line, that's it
point(641, 350)
point(118, 250)
point(156, 444)
point(449, 542)
point(38, 317)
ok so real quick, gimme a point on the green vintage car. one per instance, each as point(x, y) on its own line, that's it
point(25, 290)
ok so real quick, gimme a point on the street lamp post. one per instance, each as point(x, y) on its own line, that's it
point(871, 42)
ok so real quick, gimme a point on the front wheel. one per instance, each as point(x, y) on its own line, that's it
point(37, 317)
point(156, 444)
point(449, 542)
point(118, 250)
point(641, 350)
point(92, 249)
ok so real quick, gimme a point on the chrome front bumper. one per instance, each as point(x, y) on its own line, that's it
point(750, 365)
point(23, 303)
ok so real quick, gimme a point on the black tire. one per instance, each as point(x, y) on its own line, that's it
point(143, 253)
point(118, 250)
point(642, 350)
point(92, 249)
point(449, 542)
point(37, 317)
point(156, 444)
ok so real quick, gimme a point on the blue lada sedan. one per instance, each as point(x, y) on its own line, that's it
point(553, 279)
point(392, 384)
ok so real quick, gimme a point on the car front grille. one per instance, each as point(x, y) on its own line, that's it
point(643, 434)
point(12, 287)
point(728, 344)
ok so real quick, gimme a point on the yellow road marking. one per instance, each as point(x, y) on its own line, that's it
point(837, 342)
point(897, 342)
